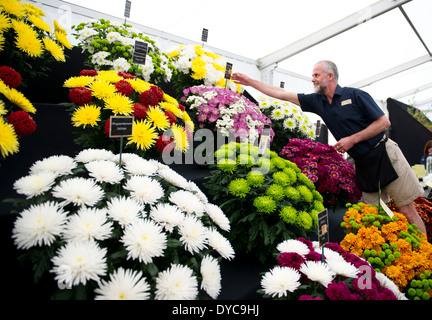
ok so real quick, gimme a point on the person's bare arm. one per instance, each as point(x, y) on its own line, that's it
point(269, 90)
point(379, 125)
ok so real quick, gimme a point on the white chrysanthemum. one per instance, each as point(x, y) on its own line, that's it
point(140, 166)
point(105, 171)
point(79, 191)
point(39, 225)
point(35, 184)
point(144, 189)
point(173, 178)
point(220, 244)
point(77, 262)
point(125, 158)
point(188, 202)
point(176, 283)
point(277, 114)
point(89, 155)
point(280, 280)
point(343, 268)
point(192, 186)
point(59, 165)
point(167, 215)
point(292, 245)
point(289, 123)
point(318, 271)
point(193, 234)
point(218, 216)
point(211, 276)
point(124, 210)
point(389, 284)
point(144, 240)
point(124, 285)
point(88, 224)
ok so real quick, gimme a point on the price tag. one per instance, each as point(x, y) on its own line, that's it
point(228, 70)
point(282, 84)
point(318, 128)
point(386, 209)
point(204, 35)
point(323, 229)
point(127, 11)
point(121, 126)
point(264, 140)
point(140, 52)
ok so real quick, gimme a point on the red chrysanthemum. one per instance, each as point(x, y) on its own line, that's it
point(23, 123)
point(89, 73)
point(139, 111)
point(124, 87)
point(126, 75)
point(171, 117)
point(80, 96)
point(149, 98)
point(158, 92)
point(181, 107)
point(165, 144)
point(10, 77)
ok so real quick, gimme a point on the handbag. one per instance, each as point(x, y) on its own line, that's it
point(374, 170)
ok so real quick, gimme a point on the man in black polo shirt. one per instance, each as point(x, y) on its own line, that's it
point(358, 124)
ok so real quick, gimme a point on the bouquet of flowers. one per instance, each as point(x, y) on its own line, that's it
point(27, 42)
point(138, 230)
point(226, 112)
point(199, 66)
point(392, 246)
point(307, 272)
point(266, 197)
point(109, 45)
point(15, 109)
point(161, 124)
point(333, 176)
point(288, 121)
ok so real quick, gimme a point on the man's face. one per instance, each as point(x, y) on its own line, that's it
point(320, 79)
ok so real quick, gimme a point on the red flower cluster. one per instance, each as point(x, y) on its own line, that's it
point(126, 75)
point(165, 144)
point(151, 97)
point(23, 123)
point(139, 111)
point(171, 117)
point(10, 77)
point(88, 73)
point(80, 96)
point(124, 87)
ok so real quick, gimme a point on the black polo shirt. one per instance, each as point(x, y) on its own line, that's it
point(351, 111)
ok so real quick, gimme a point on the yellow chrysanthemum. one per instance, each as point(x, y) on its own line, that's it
point(218, 67)
point(158, 118)
point(110, 76)
point(61, 37)
point(102, 89)
point(58, 27)
point(139, 85)
point(86, 115)
point(180, 139)
point(168, 106)
point(119, 104)
point(21, 27)
point(198, 73)
point(32, 10)
point(220, 83)
point(168, 98)
point(212, 55)
point(17, 98)
point(188, 121)
point(199, 50)
point(2, 41)
point(8, 139)
point(29, 44)
point(174, 53)
point(5, 22)
point(74, 82)
point(3, 110)
point(52, 47)
point(144, 136)
point(39, 23)
point(13, 7)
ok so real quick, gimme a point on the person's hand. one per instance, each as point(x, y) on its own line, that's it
point(241, 78)
point(344, 144)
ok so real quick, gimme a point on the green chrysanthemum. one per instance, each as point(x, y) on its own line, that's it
point(288, 214)
point(278, 163)
point(245, 160)
point(281, 178)
point(227, 165)
point(317, 196)
point(255, 178)
point(264, 204)
point(292, 193)
point(273, 154)
point(292, 165)
point(318, 205)
point(304, 220)
point(305, 193)
point(305, 180)
point(290, 172)
point(314, 216)
point(239, 188)
point(276, 191)
point(249, 149)
point(223, 153)
point(265, 163)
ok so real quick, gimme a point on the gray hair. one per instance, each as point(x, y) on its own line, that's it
point(330, 66)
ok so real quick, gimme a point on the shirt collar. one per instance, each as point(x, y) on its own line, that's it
point(338, 92)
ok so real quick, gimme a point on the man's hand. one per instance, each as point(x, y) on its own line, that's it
point(344, 144)
point(241, 78)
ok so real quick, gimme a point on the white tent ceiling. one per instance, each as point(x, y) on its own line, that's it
point(382, 46)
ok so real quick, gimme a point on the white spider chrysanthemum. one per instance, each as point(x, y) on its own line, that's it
point(124, 285)
point(173, 177)
point(220, 244)
point(39, 225)
point(195, 189)
point(144, 240)
point(292, 245)
point(125, 158)
point(167, 215)
point(79, 191)
point(211, 276)
point(188, 202)
point(124, 210)
point(89, 155)
point(144, 189)
point(105, 171)
point(343, 268)
point(280, 280)
point(389, 284)
point(140, 166)
point(77, 262)
point(88, 224)
point(59, 165)
point(193, 234)
point(318, 271)
point(218, 216)
point(176, 283)
point(35, 184)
